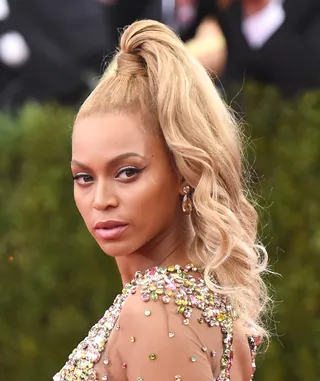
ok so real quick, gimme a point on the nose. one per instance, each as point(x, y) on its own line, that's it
point(104, 197)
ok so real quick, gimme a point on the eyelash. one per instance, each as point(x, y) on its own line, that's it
point(81, 176)
point(122, 170)
point(128, 169)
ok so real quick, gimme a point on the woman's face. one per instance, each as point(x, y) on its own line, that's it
point(125, 186)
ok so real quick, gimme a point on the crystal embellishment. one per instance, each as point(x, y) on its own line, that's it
point(161, 285)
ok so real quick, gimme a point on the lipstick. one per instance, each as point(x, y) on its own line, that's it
point(109, 229)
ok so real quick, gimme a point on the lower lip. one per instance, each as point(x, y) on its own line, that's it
point(110, 233)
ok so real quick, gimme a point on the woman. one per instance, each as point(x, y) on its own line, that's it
point(157, 167)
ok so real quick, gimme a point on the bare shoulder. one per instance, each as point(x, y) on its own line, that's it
point(173, 311)
point(182, 291)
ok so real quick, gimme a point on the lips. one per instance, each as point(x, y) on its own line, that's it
point(109, 229)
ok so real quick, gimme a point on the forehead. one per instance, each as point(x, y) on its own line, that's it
point(112, 134)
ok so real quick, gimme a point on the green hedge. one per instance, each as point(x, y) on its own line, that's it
point(55, 282)
point(286, 140)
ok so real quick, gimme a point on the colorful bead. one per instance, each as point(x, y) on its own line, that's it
point(193, 358)
point(254, 342)
point(166, 299)
point(124, 365)
point(186, 321)
point(147, 312)
point(152, 356)
point(145, 297)
point(140, 379)
point(132, 339)
point(180, 309)
point(187, 313)
point(171, 287)
point(154, 296)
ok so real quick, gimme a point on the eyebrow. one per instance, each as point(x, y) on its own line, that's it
point(112, 161)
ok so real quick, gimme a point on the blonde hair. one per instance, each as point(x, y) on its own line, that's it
point(153, 72)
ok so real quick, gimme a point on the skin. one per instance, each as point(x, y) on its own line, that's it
point(250, 7)
point(143, 190)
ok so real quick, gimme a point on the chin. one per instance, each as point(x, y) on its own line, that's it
point(115, 249)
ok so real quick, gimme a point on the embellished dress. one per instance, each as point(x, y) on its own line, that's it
point(166, 325)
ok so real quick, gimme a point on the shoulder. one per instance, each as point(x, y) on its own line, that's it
point(174, 312)
point(181, 292)
point(176, 302)
point(171, 312)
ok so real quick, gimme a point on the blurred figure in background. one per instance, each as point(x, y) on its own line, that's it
point(47, 50)
point(54, 50)
point(272, 41)
point(195, 22)
point(191, 19)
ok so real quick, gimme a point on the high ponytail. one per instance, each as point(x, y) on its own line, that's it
point(153, 73)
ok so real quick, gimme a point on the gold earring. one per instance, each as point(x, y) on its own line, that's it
point(186, 201)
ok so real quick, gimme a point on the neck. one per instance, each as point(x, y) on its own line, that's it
point(168, 248)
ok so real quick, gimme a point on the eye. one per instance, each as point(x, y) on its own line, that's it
point(127, 172)
point(83, 178)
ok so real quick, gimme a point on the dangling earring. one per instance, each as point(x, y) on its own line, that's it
point(186, 201)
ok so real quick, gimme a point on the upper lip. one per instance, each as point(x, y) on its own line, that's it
point(109, 224)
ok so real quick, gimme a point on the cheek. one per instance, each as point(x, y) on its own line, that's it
point(153, 201)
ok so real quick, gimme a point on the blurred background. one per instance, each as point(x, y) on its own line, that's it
point(55, 283)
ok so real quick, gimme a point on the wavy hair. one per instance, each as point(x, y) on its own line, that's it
point(153, 72)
